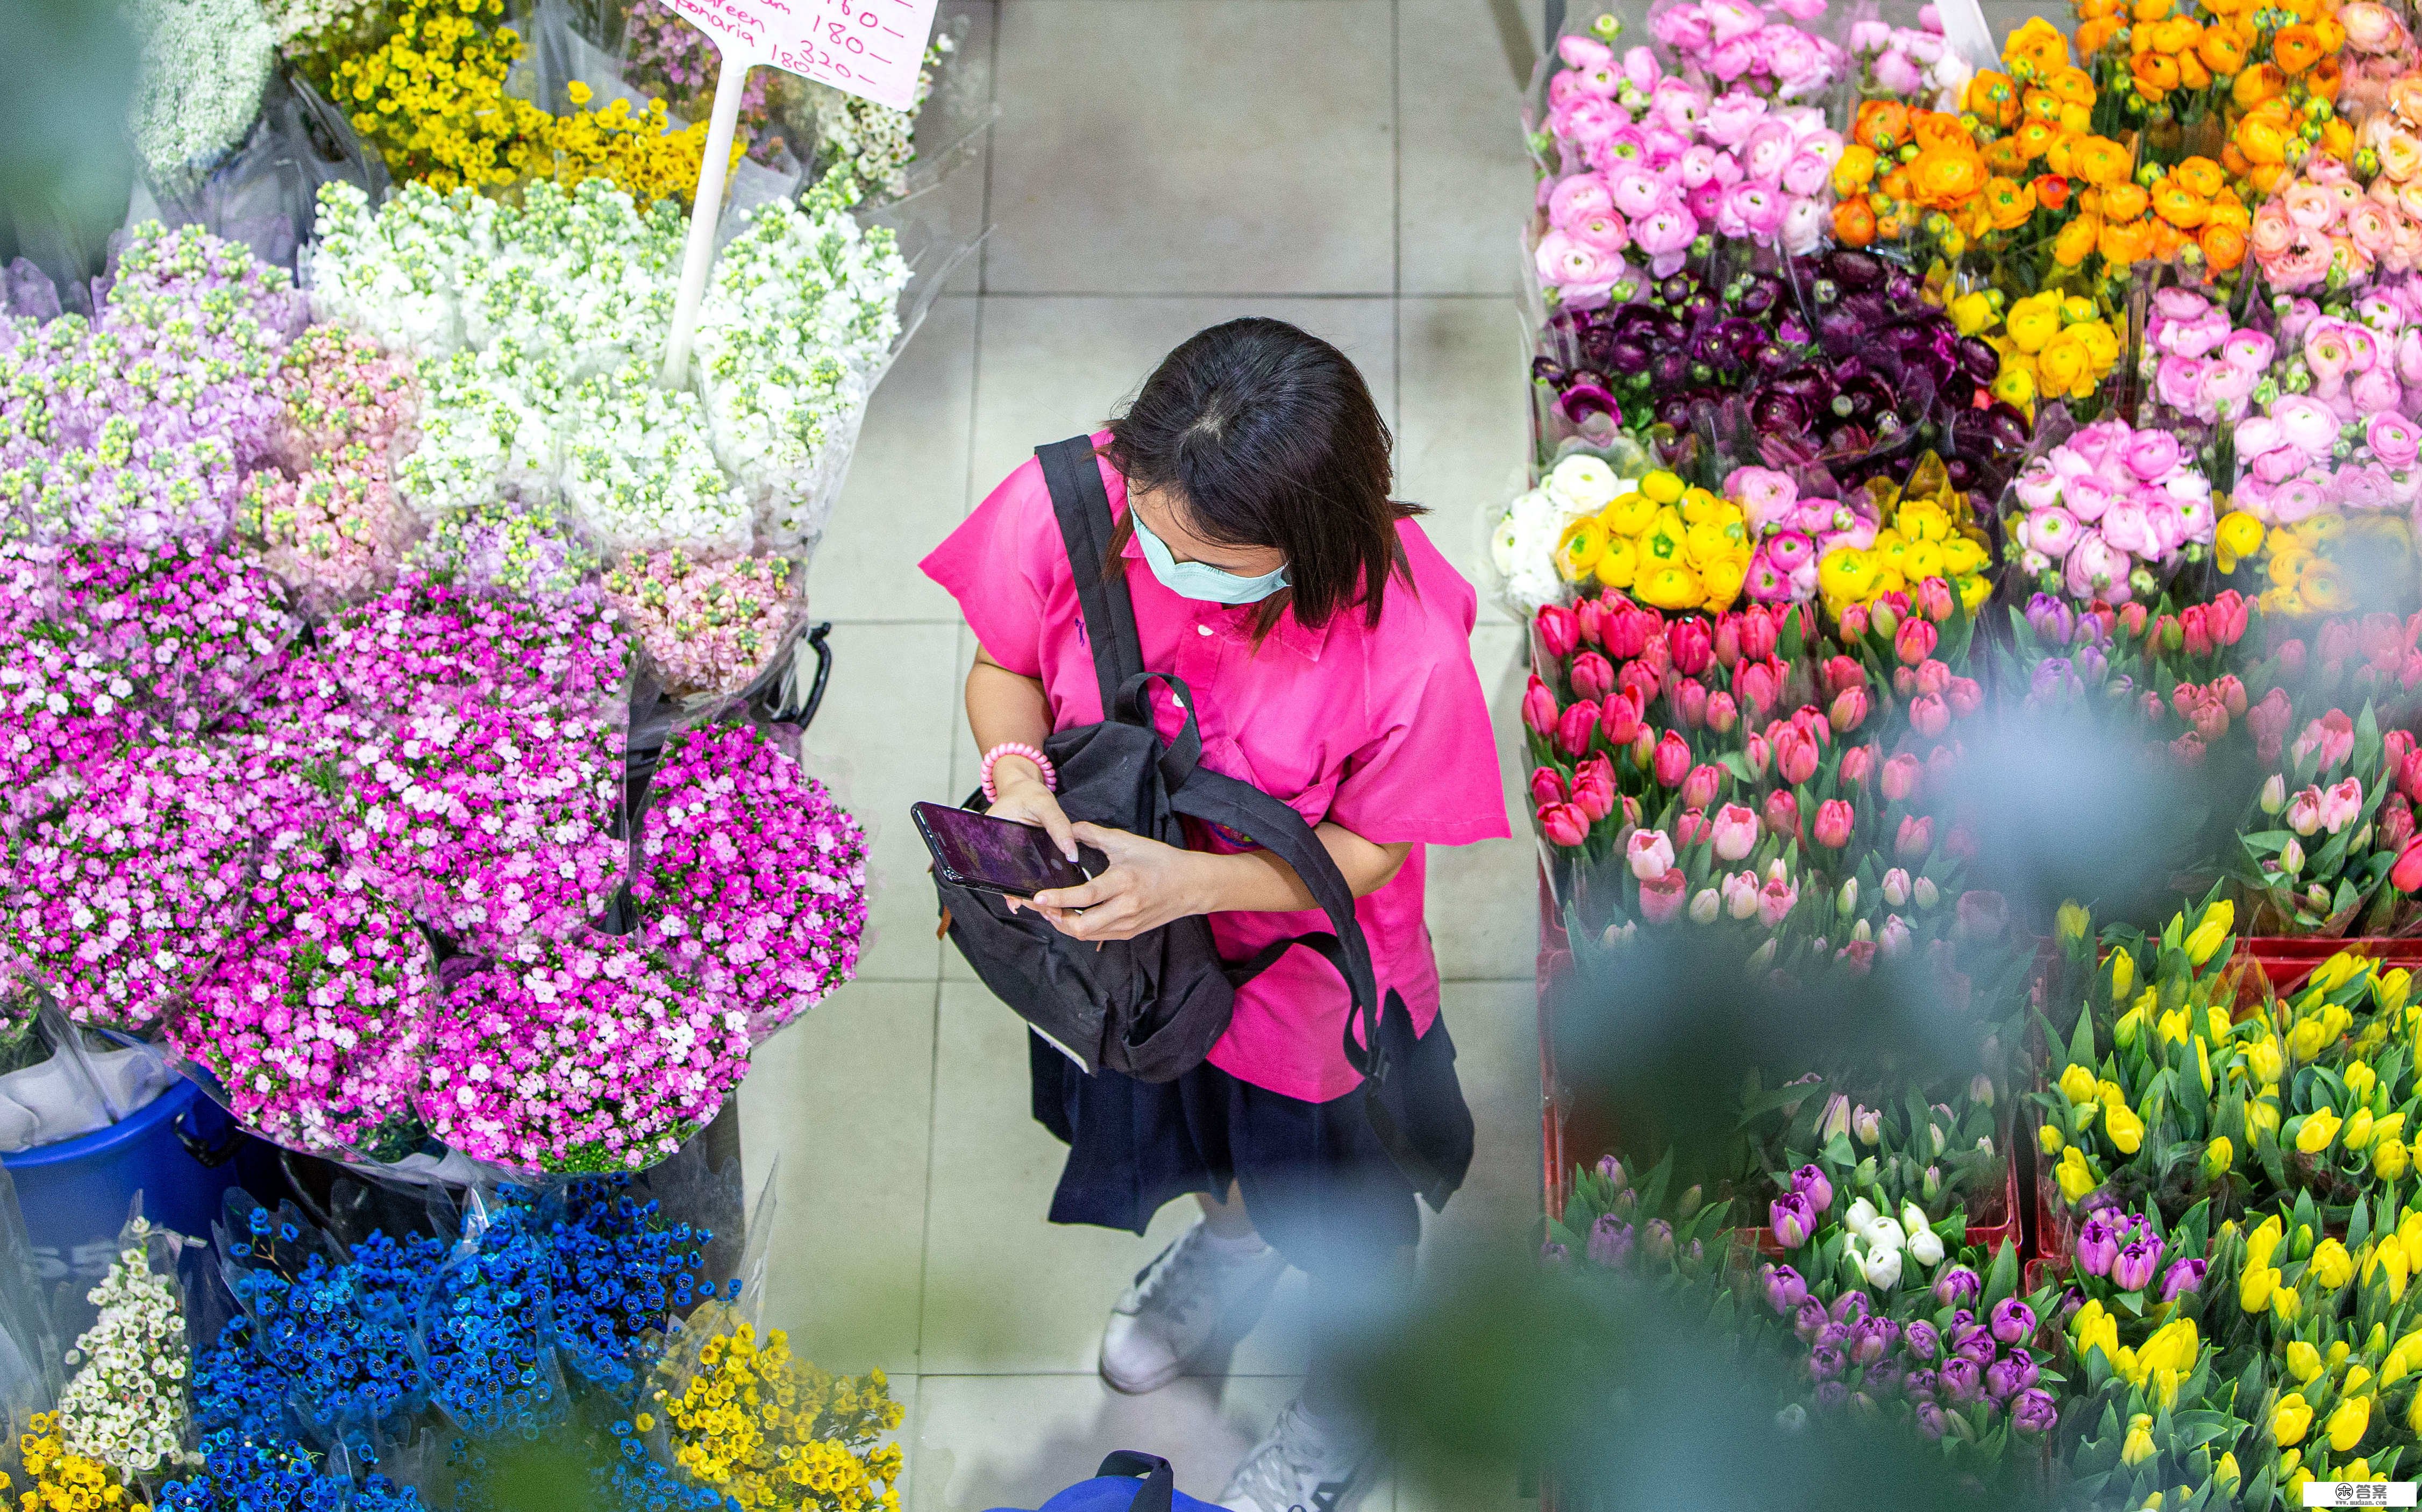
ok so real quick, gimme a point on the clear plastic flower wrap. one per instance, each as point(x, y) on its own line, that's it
point(205, 66)
point(708, 626)
point(124, 1405)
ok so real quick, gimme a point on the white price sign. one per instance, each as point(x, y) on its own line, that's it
point(867, 47)
point(2359, 1493)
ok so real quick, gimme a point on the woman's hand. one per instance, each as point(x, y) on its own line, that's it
point(1020, 795)
point(1146, 885)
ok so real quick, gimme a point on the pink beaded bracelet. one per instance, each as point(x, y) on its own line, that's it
point(1017, 748)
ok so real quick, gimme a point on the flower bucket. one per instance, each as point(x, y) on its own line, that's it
point(178, 1151)
point(2286, 960)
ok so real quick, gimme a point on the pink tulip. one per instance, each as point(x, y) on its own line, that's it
point(1783, 815)
point(1916, 837)
point(1576, 726)
point(1592, 676)
point(1661, 897)
point(1723, 712)
point(1931, 676)
point(1692, 646)
point(1755, 686)
point(1619, 719)
point(1690, 828)
point(1935, 600)
point(1775, 901)
point(2331, 735)
point(1835, 820)
point(2341, 805)
point(1547, 787)
point(1648, 853)
point(1700, 788)
point(1638, 679)
point(1843, 672)
point(1741, 894)
point(2406, 875)
point(1673, 760)
point(1591, 616)
point(1795, 755)
point(1539, 708)
point(1563, 824)
point(2231, 694)
point(1727, 641)
point(1928, 714)
point(2395, 823)
point(1850, 709)
point(1733, 832)
point(1592, 790)
point(1901, 775)
point(1758, 752)
point(2409, 776)
point(1559, 631)
point(1692, 698)
point(1758, 633)
point(1965, 696)
point(1914, 641)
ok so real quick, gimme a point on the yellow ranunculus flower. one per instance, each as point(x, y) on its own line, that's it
point(2290, 1420)
point(1971, 312)
point(1618, 566)
point(1629, 513)
point(1663, 487)
point(2238, 536)
point(2033, 322)
point(2015, 386)
point(2348, 1422)
point(1670, 588)
point(2331, 1265)
point(2077, 1084)
point(2320, 1128)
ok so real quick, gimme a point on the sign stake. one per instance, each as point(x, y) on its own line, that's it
point(706, 208)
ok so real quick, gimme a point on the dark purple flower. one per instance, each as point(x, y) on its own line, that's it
point(1919, 1385)
point(1974, 1344)
point(1811, 1183)
point(1834, 1336)
point(1825, 1362)
point(2033, 1413)
point(1883, 1377)
point(2013, 1320)
point(2097, 1242)
point(1929, 1420)
point(2184, 1275)
point(1582, 401)
point(1610, 1240)
point(1962, 1379)
point(1924, 1344)
point(1832, 1395)
point(1871, 1339)
point(2006, 1377)
point(1811, 1320)
point(1785, 1290)
point(1850, 1307)
point(1611, 1169)
point(1791, 1220)
point(2139, 1262)
point(1957, 1285)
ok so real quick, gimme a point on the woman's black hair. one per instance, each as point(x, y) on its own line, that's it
point(1267, 436)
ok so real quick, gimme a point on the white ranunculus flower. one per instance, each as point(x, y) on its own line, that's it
point(1583, 485)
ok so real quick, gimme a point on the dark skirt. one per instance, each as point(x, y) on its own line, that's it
point(1315, 1180)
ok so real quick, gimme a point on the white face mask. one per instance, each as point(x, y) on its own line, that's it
point(1201, 580)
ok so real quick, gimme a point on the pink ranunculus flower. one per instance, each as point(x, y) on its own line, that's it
point(2052, 531)
point(1731, 118)
point(2226, 390)
point(2306, 424)
point(1757, 208)
point(2086, 497)
point(1730, 19)
point(2300, 497)
point(2374, 391)
point(1684, 29)
point(2127, 527)
point(1635, 192)
point(2271, 232)
point(2037, 484)
point(1606, 232)
point(1804, 227)
point(2394, 439)
point(1577, 198)
point(2153, 453)
point(1899, 74)
point(1766, 151)
point(2094, 569)
point(2179, 383)
point(1805, 173)
point(1763, 492)
point(2327, 351)
point(2249, 351)
point(1698, 165)
point(1582, 52)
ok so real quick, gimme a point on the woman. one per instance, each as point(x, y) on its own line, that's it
point(1327, 644)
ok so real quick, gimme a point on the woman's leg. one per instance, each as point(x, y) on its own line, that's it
point(1207, 1287)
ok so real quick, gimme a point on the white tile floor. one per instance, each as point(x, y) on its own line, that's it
point(1157, 166)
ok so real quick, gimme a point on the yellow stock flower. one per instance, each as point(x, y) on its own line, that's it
point(2290, 1420)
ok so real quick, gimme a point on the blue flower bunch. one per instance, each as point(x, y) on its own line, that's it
point(616, 1269)
point(276, 1477)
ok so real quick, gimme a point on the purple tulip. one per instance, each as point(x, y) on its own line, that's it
point(1832, 1395)
point(1883, 1377)
point(2033, 1413)
point(1825, 1362)
point(2051, 619)
point(1785, 1290)
point(2098, 1245)
point(2013, 1320)
point(1834, 1336)
point(2054, 679)
point(2139, 1262)
point(1924, 1344)
point(2184, 1276)
point(1791, 1219)
point(2010, 1375)
point(1850, 1307)
point(1612, 1169)
point(1811, 1320)
point(1554, 1253)
point(1962, 1379)
point(2090, 662)
point(2071, 1298)
point(1919, 1385)
point(1811, 1183)
point(1871, 1339)
point(1658, 1239)
point(1610, 1240)
point(1929, 1420)
point(1975, 1345)
point(1957, 1285)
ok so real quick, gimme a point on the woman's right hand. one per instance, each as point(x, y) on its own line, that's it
point(1020, 795)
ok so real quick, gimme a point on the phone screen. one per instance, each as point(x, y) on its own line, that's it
point(981, 851)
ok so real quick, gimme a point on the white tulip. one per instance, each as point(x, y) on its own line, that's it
point(1882, 1269)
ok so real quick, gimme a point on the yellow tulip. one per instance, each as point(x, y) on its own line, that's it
point(2304, 1361)
point(2320, 1128)
point(2290, 1420)
point(2049, 1139)
point(2172, 1028)
point(2348, 1422)
point(2336, 973)
point(2126, 1129)
point(2255, 1287)
point(2331, 1265)
point(2286, 1303)
point(2138, 1447)
point(2263, 1113)
point(2389, 1159)
point(2227, 1474)
point(2209, 935)
point(2360, 1080)
point(2358, 1131)
point(2306, 1040)
point(2265, 1062)
point(2077, 1084)
point(2075, 1179)
point(2263, 1240)
point(2123, 974)
point(2218, 1156)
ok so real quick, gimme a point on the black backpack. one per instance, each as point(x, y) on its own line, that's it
point(1152, 1007)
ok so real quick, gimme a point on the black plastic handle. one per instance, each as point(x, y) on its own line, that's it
point(1160, 1489)
point(208, 1152)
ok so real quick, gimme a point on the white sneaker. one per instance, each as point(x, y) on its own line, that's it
point(1303, 1465)
point(1193, 1292)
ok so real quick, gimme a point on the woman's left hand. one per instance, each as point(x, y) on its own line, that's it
point(1146, 885)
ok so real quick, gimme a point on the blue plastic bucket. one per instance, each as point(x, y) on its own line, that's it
point(178, 1151)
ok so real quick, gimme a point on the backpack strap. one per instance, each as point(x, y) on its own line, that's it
point(1159, 1492)
point(1083, 506)
point(1278, 829)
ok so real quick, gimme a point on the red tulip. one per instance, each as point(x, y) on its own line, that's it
point(1927, 716)
point(1576, 726)
point(1673, 760)
point(1727, 640)
point(1857, 764)
point(1781, 814)
point(1795, 755)
point(2406, 875)
point(1700, 788)
point(1835, 820)
point(1539, 708)
point(1914, 641)
point(1723, 712)
point(1591, 616)
point(1594, 787)
point(1559, 631)
point(1933, 676)
point(1592, 676)
point(1547, 787)
point(1916, 837)
point(1966, 696)
point(1850, 709)
point(1758, 632)
point(1619, 719)
point(1692, 698)
point(1901, 775)
point(1563, 824)
point(1661, 899)
point(1692, 646)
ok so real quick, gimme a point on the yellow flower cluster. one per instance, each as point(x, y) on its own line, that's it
point(1925, 531)
point(430, 98)
point(2305, 572)
point(64, 1482)
point(773, 1433)
point(1666, 544)
point(2161, 1361)
point(2052, 346)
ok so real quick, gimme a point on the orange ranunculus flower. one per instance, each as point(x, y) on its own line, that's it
point(2326, 77)
point(2156, 74)
point(2224, 247)
point(2040, 104)
point(2124, 201)
point(2123, 247)
point(2060, 157)
point(2262, 139)
point(2039, 45)
point(2174, 35)
point(2094, 35)
point(2165, 240)
point(2200, 177)
point(2100, 160)
point(2192, 73)
point(2147, 11)
point(1895, 185)
point(2227, 210)
point(2008, 202)
point(2004, 156)
point(2233, 161)
point(1939, 128)
point(2301, 10)
point(1993, 98)
point(2255, 83)
point(2076, 241)
point(2222, 50)
point(2332, 31)
point(2338, 138)
point(1854, 223)
point(1881, 124)
point(2089, 200)
point(2178, 207)
point(1890, 227)
point(2265, 177)
point(1946, 177)
point(2077, 119)
point(2033, 139)
point(2296, 48)
point(2071, 86)
point(2225, 8)
point(1854, 169)
point(2052, 191)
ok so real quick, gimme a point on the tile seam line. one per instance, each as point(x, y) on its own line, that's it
point(1210, 294)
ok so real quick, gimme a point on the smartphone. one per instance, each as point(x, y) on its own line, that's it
point(976, 850)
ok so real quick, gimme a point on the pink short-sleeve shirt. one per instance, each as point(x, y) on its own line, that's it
point(1384, 730)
